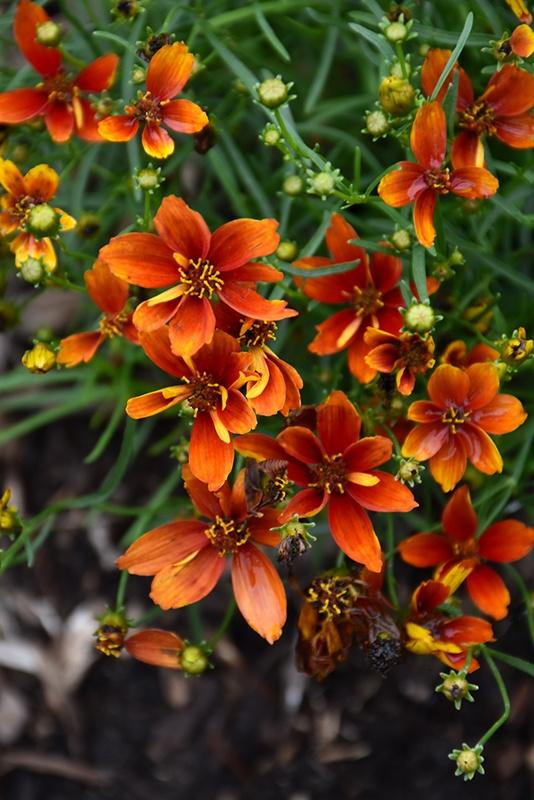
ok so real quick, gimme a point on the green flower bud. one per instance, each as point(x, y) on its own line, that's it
point(273, 92)
point(419, 317)
point(32, 270)
point(293, 185)
point(287, 251)
point(194, 660)
point(376, 123)
point(396, 32)
point(48, 34)
point(43, 220)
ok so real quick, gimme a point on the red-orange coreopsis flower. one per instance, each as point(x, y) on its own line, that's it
point(168, 72)
point(59, 97)
point(429, 632)
point(370, 293)
point(211, 382)
point(198, 265)
point(505, 541)
point(23, 193)
point(187, 557)
point(278, 384)
point(421, 183)
point(457, 354)
point(502, 110)
point(522, 41)
point(407, 354)
point(110, 294)
point(336, 468)
point(464, 407)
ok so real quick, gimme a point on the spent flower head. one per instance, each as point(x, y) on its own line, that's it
point(468, 761)
point(456, 688)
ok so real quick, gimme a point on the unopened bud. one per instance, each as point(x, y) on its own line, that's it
point(270, 135)
point(31, 270)
point(455, 687)
point(396, 95)
point(41, 358)
point(409, 471)
point(9, 515)
point(323, 184)
point(401, 239)
point(273, 92)
point(396, 32)
point(194, 660)
point(43, 220)
point(468, 761)
point(48, 34)
point(138, 75)
point(419, 317)
point(293, 185)
point(287, 251)
point(149, 178)
point(376, 123)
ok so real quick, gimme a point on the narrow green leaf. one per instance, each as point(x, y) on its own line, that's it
point(269, 34)
point(407, 296)
point(513, 661)
point(324, 65)
point(248, 179)
point(232, 62)
point(378, 41)
point(318, 272)
point(419, 271)
point(455, 55)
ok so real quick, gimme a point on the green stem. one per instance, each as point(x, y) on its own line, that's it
point(402, 61)
point(390, 561)
point(121, 591)
point(504, 695)
point(194, 618)
point(513, 661)
point(221, 630)
point(525, 594)
point(76, 62)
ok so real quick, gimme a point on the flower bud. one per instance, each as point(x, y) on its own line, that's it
point(149, 178)
point(126, 9)
point(323, 184)
point(396, 32)
point(31, 270)
point(468, 761)
point(273, 92)
point(455, 687)
point(419, 317)
point(270, 135)
point(409, 471)
point(401, 239)
point(138, 75)
point(287, 251)
point(293, 185)
point(40, 359)
point(456, 258)
point(43, 220)
point(376, 123)
point(194, 660)
point(396, 95)
point(49, 33)
point(103, 107)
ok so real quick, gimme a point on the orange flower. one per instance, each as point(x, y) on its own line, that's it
point(505, 541)
point(187, 557)
point(197, 265)
point(522, 41)
point(369, 292)
point(502, 110)
point(336, 470)
point(430, 632)
point(110, 294)
point(212, 379)
point(407, 354)
point(59, 97)
point(278, 384)
point(457, 354)
point(23, 193)
point(423, 182)
point(168, 72)
point(453, 426)
point(156, 647)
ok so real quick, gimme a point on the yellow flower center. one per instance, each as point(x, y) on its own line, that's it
point(439, 180)
point(415, 353)
point(367, 300)
point(479, 118)
point(454, 416)
point(205, 394)
point(256, 333)
point(201, 278)
point(147, 109)
point(227, 536)
point(60, 88)
point(330, 475)
point(332, 595)
point(111, 325)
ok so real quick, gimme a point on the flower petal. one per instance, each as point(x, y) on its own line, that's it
point(78, 348)
point(183, 116)
point(248, 302)
point(522, 41)
point(387, 495)
point(156, 141)
point(20, 105)
point(149, 317)
point(167, 544)
point(368, 453)
point(59, 120)
point(118, 128)
point(488, 591)
point(424, 411)
point(423, 217)
point(99, 74)
point(259, 446)
point(386, 272)
point(433, 66)
point(157, 347)
point(41, 182)
point(259, 592)
point(182, 229)
point(424, 441)
point(466, 630)
point(176, 586)
point(480, 449)
point(428, 137)
point(146, 405)
point(192, 326)
point(483, 385)
point(335, 333)
point(169, 70)
point(338, 235)
point(46, 60)
point(241, 240)
point(400, 187)
point(467, 150)
point(302, 444)
point(459, 518)
point(156, 647)
point(425, 550)
point(357, 353)
point(510, 91)
point(142, 259)
point(306, 503)
point(237, 416)
point(473, 182)
point(448, 386)
point(338, 423)
point(502, 415)
point(516, 131)
point(353, 532)
point(448, 465)
point(107, 291)
point(210, 459)
point(505, 541)
point(11, 178)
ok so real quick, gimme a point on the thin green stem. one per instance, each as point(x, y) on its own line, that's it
point(226, 620)
point(525, 595)
point(390, 562)
point(402, 61)
point(504, 695)
point(121, 591)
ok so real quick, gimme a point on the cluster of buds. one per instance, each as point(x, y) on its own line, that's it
point(516, 349)
point(445, 268)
